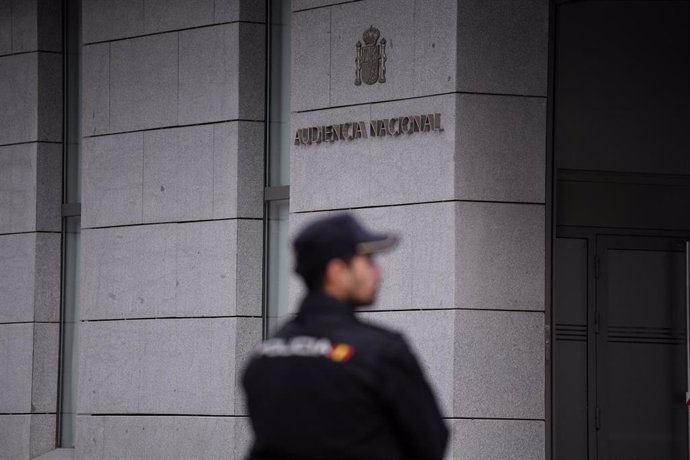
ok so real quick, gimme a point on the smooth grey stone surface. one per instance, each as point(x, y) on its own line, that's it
point(252, 59)
point(49, 97)
point(221, 73)
point(108, 19)
point(239, 10)
point(58, 454)
point(164, 15)
point(144, 82)
point(503, 47)
point(477, 439)
point(45, 367)
point(36, 25)
point(430, 335)
point(164, 366)
point(179, 270)
point(15, 435)
point(298, 5)
point(500, 256)
point(112, 179)
point(178, 174)
point(95, 89)
point(48, 187)
point(43, 428)
point(238, 170)
point(408, 168)
point(46, 290)
point(147, 437)
point(499, 364)
point(18, 188)
point(17, 277)
point(209, 74)
point(501, 149)
point(19, 98)
point(5, 28)
point(311, 61)
point(16, 349)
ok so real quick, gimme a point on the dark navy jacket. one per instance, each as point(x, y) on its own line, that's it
point(329, 387)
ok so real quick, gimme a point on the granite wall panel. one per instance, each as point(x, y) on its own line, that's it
point(164, 366)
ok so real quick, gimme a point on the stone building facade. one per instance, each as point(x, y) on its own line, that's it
point(172, 268)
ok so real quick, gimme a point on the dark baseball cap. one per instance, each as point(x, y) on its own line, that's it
point(336, 237)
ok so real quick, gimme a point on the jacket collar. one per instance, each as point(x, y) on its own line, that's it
point(317, 303)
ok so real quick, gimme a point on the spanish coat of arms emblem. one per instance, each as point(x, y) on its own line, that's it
point(371, 58)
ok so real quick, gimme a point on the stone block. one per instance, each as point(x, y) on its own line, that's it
point(164, 366)
point(393, 169)
point(48, 187)
point(164, 15)
point(112, 180)
point(19, 98)
point(108, 20)
point(17, 277)
point(172, 270)
point(36, 25)
point(24, 26)
point(249, 274)
point(252, 71)
point(298, 5)
point(16, 349)
point(15, 436)
point(5, 28)
point(238, 170)
point(431, 335)
point(476, 439)
point(178, 174)
point(144, 82)
point(30, 187)
point(501, 149)
point(49, 25)
point(500, 256)
point(209, 74)
point(435, 47)
point(499, 364)
point(222, 73)
point(503, 47)
point(128, 272)
point(311, 60)
point(104, 437)
point(95, 116)
point(239, 10)
point(49, 97)
point(18, 188)
point(43, 428)
point(46, 346)
point(46, 288)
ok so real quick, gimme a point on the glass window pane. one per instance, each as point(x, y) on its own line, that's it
point(278, 263)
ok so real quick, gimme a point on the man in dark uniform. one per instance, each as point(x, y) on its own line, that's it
point(327, 386)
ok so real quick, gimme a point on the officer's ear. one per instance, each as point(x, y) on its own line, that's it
point(336, 274)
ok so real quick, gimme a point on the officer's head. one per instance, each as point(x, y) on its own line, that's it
point(335, 255)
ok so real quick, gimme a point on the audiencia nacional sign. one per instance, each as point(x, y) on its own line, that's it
point(406, 125)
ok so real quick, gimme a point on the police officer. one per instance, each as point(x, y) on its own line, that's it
point(327, 386)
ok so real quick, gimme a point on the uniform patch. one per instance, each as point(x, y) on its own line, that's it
point(306, 347)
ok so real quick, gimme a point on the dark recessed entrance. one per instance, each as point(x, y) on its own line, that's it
point(622, 202)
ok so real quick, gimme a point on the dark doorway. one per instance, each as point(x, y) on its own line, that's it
point(621, 149)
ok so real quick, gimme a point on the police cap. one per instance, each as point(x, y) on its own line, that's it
point(336, 237)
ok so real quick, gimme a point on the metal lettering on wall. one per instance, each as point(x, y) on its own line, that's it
point(375, 128)
point(371, 58)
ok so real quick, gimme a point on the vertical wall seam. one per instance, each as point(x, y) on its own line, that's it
point(330, 54)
